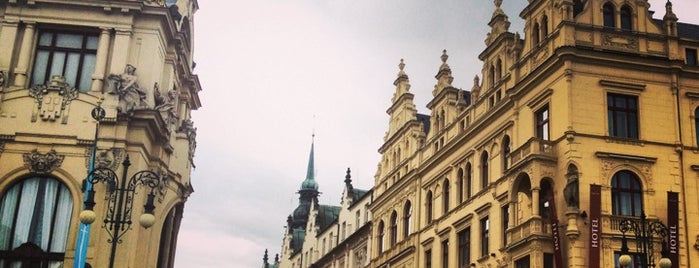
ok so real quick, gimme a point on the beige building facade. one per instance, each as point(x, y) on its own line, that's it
point(61, 59)
point(587, 121)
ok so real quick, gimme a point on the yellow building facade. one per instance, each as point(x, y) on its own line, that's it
point(587, 122)
point(59, 60)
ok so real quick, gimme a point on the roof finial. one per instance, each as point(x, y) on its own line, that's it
point(348, 177)
point(498, 3)
point(444, 56)
point(265, 259)
point(401, 66)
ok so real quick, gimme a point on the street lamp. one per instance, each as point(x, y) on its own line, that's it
point(644, 232)
point(120, 204)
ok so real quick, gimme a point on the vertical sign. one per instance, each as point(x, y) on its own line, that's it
point(595, 224)
point(558, 257)
point(673, 228)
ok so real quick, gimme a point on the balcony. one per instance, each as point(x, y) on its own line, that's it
point(534, 226)
point(534, 148)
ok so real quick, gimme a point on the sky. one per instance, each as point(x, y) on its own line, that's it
point(275, 72)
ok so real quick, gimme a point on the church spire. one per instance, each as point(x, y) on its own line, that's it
point(307, 194)
point(309, 182)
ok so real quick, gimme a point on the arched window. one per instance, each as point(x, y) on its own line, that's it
point(460, 184)
point(484, 170)
point(578, 7)
point(445, 196)
point(544, 26)
point(506, 153)
point(407, 214)
point(545, 196)
point(428, 207)
point(36, 214)
point(696, 124)
point(469, 179)
point(627, 195)
point(608, 14)
point(498, 69)
point(625, 13)
point(535, 33)
point(394, 228)
point(380, 240)
point(491, 76)
point(168, 237)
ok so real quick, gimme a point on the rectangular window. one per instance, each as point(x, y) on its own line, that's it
point(548, 260)
point(465, 247)
point(691, 56)
point(445, 254)
point(522, 263)
point(622, 115)
point(542, 123)
point(428, 258)
point(485, 229)
point(505, 223)
point(68, 54)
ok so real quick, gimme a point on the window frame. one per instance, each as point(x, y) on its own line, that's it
point(54, 48)
point(608, 15)
point(631, 128)
point(485, 236)
point(622, 195)
point(464, 237)
point(543, 123)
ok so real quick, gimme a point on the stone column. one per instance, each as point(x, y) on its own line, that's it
point(122, 39)
point(8, 35)
point(101, 60)
point(535, 201)
point(25, 54)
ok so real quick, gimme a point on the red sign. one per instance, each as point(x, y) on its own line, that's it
point(595, 225)
point(673, 228)
point(558, 257)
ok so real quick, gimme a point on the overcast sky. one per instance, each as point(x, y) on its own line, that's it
point(275, 71)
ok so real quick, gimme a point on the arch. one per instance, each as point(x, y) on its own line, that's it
point(445, 196)
point(460, 185)
point(491, 76)
point(535, 33)
point(506, 149)
point(484, 170)
point(608, 15)
point(627, 194)
point(545, 197)
point(407, 215)
point(168, 236)
point(544, 26)
point(428, 207)
point(521, 198)
point(38, 210)
point(625, 13)
point(578, 7)
point(498, 69)
point(393, 236)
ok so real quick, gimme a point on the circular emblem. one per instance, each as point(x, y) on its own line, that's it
point(98, 113)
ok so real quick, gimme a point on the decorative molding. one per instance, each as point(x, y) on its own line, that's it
point(42, 163)
point(482, 209)
point(106, 158)
point(620, 41)
point(626, 157)
point(536, 100)
point(48, 98)
point(624, 85)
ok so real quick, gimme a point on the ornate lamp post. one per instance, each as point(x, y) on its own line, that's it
point(644, 232)
point(120, 205)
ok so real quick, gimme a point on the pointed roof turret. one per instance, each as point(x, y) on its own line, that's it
point(310, 183)
point(443, 76)
point(265, 260)
point(402, 82)
point(348, 180)
point(499, 23)
point(307, 194)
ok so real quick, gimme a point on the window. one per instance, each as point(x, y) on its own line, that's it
point(36, 215)
point(549, 260)
point(535, 33)
point(71, 55)
point(491, 76)
point(544, 26)
point(625, 14)
point(608, 14)
point(428, 258)
point(356, 220)
point(407, 214)
point(522, 263)
point(460, 184)
point(469, 179)
point(394, 228)
point(506, 153)
point(445, 196)
point(498, 69)
point(578, 7)
point(484, 170)
point(465, 247)
point(485, 229)
point(542, 123)
point(380, 240)
point(445, 254)
point(505, 223)
point(690, 56)
point(428, 207)
point(627, 195)
point(622, 114)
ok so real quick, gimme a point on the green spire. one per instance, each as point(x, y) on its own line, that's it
point(310, 183)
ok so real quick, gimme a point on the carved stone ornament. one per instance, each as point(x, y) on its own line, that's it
point(166, 105)
point(620, 41)
point(188, 129)
point(53, 99)
point(131, 96)
point(106, 158)
point(608, 166)
point(42, 163)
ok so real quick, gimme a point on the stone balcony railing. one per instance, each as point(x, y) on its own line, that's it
point(532, 226)
point(534, 147)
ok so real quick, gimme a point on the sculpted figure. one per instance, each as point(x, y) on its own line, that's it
point(571, 192)
point(131, 96)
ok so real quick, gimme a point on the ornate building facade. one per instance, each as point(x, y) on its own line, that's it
point(95, 85)
point(324, 236)
point(587, 121)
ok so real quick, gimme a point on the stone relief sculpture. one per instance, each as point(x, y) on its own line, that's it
point(188, 128)
point(53, 99)
point(40, 163)
point(131, 95)
point(571, 192)
point(166, 105)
